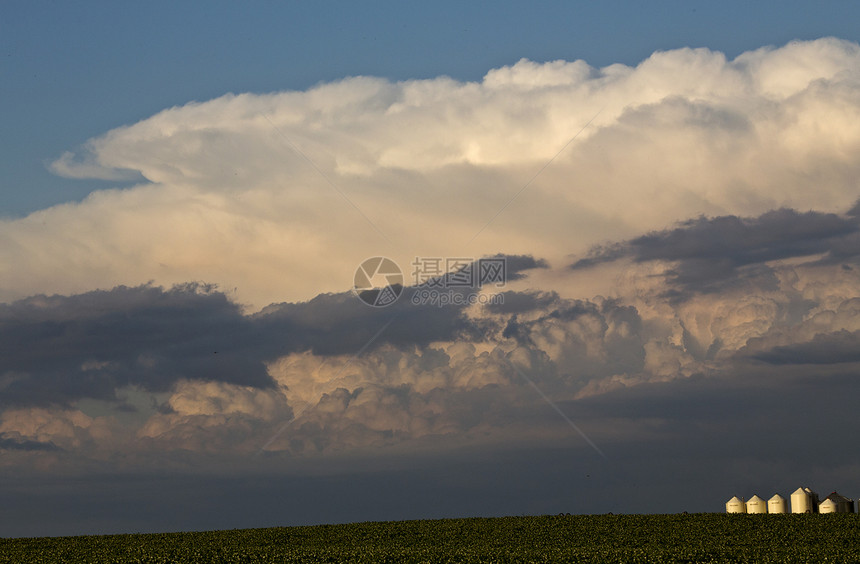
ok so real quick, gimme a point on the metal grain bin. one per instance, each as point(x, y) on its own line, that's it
point(755, 504)
point(802, 502)
point(839, 503)
point(776, 504)
point(736, 505)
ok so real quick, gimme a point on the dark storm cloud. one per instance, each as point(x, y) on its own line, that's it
point(561, 310)
point(57, 349)
point(54, 350)
point(825, 348)
point(711, 254)
point(521, 302)
point(26, 445)
point(684, 445)
point(517, 264)
point(342, 324)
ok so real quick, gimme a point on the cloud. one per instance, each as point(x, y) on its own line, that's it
point(519, 302)
point(66, 166)
point(341, 323)
point(515, 265)
point(825, 348)
point(26, 445)
point(333, 374)
point(41, 430)
point(279, 197)
point(706, 254)
point(57, 349)
point(706, 202)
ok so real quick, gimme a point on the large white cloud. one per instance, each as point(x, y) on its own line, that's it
point(273, 197)
point(261, 193)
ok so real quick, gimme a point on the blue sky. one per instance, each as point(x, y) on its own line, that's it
point(71, 72)
point(672, 188)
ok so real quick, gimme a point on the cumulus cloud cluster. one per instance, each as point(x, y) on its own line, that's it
point(699, 232)
point(708, 253)
point(333, 374)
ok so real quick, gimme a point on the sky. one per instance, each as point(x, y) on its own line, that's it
point(623, 243)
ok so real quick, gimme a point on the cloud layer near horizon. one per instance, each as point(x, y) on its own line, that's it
point(279, 196)
point(142, 370)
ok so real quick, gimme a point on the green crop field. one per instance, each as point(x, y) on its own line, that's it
point(585, 538)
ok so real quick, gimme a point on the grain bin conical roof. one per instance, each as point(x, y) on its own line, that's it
point(736, 505)
point(755, 504)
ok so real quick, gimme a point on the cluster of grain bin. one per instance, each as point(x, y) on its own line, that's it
point(755, 504)
point(804, 500)
point(835, 503)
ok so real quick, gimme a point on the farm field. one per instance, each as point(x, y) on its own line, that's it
point(582, 538)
